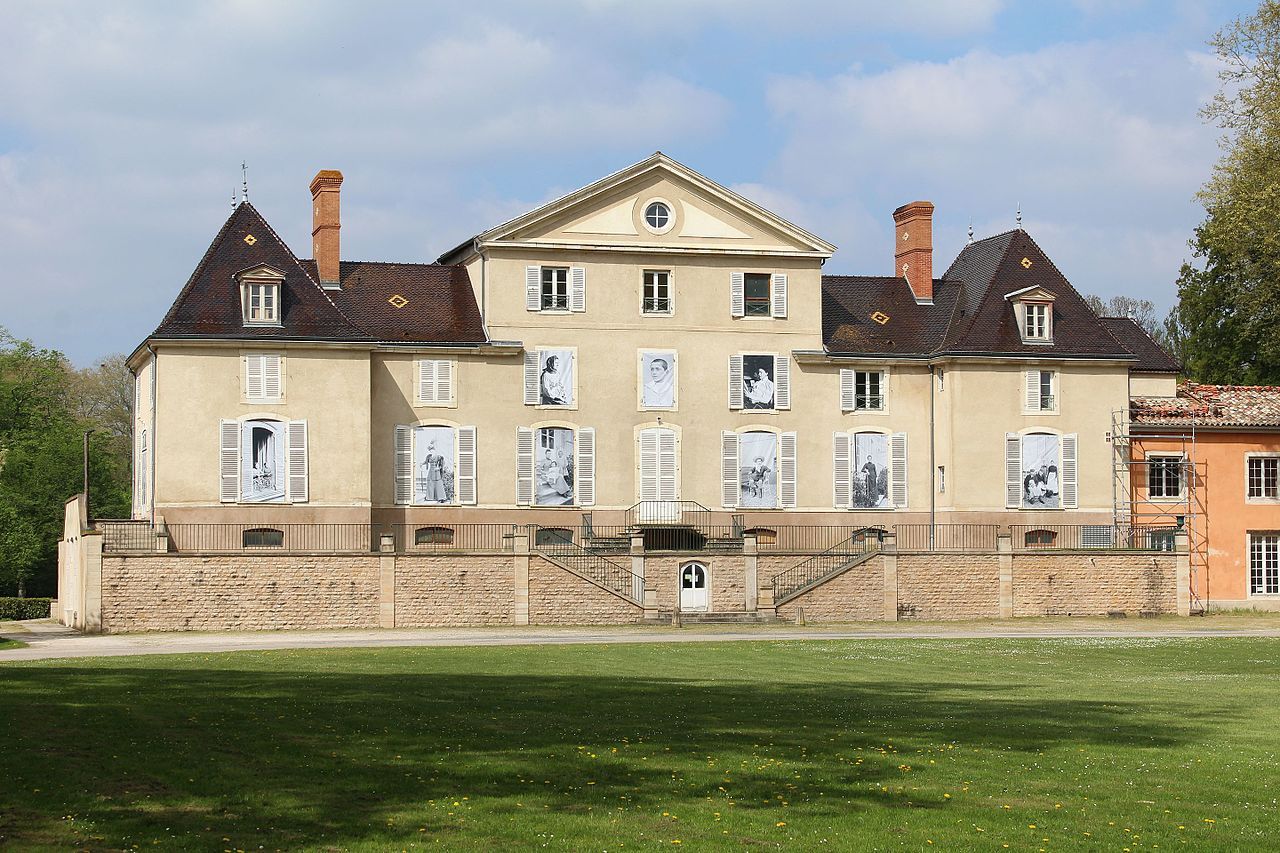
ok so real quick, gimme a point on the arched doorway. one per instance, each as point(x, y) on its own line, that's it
point(693, 587)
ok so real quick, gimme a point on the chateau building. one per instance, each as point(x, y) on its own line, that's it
point(650, 342)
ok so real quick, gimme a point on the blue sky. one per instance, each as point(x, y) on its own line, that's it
point(123, 125)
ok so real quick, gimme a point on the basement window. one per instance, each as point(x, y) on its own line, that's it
point(263, 537)
point(433, 536)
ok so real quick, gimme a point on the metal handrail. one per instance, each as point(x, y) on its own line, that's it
point(802, 575)
point(685, 513)
point(594, 566)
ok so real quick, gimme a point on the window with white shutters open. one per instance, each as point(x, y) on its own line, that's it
point(846, 390)
point(577, 289)
point(229, 461)
point(263, 377)
point(787, 470)
point(841, 475)
point(299, 487)
point(585, 471)
point(898, 469)
point(735, 382)
point(466, 465)
point(531, 377)
point(779, 295)
point(1070, 487)
point(435, 382)
point(1012, 470)
point(730, 474)
point(782, 382)
point(533, 288)
point(658, 461)
point(648, 459)
point(1040, 396)
point(737, 294)
point(404, 464)
point(524, 466)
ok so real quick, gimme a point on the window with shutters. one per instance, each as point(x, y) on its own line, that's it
point(555, 288)
point(434, 381)
point(658, 464)
point(1041, 471)
point(263, 378)
point(555, 465)
point(657, 297)
point(551, 377)
point(1036, 321)
point(759, 381)
point(868, 391)
point(1041, 392)
point(756, 293)
point(1164, 477)
point(758, 469)
point(435, 465)
point(1262, 477)
point(1264, 563)
point(264, 460)
point(870, 470)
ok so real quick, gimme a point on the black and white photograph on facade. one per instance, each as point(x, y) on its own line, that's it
point(758, 469)
point(555, 377)
point(1040, 460)
point(262, 461)
point(870, 470)
point(658, 373)
point(433, 465)
point(553, 467)
point(757, 382)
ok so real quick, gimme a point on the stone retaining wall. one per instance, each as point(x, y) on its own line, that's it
point(438, 591)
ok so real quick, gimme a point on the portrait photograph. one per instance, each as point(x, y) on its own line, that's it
point(553, 467)
point(757, 381)
point(555, 377)
point(1040, 455)
point(758, 470)
point(433, 465)
point(658, 380)
point(870, 470)
point(262, 461)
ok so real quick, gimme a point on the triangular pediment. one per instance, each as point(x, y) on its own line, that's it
point(1031, 294)
point(700, 215)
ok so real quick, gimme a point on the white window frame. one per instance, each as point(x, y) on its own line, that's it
point(429, 371)
point(296, 474)
point(1033, 392)
point(536, 355)
point(582, 474)
point(559, 280)
point(858, 394)
point(670, 297)
point(261, 360)
point(406, 442)
point(786, 500)
point(266, 291)
point(671, 216)
point(899, 464)
point(781, 378)
point(1039, 332)
point(1265, 567)
point(1163, 459)
point(1248, 462)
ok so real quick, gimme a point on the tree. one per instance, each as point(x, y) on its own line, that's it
point(19, 549)
point(1142, 311)
point(1225, 327)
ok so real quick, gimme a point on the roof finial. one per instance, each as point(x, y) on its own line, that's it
point(244, 173)
point(233, 198)
point(970, 232)
point(1019, 216)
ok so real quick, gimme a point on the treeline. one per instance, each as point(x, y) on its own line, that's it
point(46, 405)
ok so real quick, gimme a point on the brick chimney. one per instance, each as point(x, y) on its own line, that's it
point(913, 247)
point(325, 224)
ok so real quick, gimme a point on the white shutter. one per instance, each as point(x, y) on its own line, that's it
point(533, 288)
point(1033, 390)
point(404, 464)
point(229, 461)
point(730, 475)
point(779, 295)
point(444, 382)
point(298, 485)
point(898, 469)
point(271, 377)
point(524, 466)
point(253, 377)
point(584, 473)
point(1069, 481)
point(531, 377)
point(577, 289)
point(1012, 470)
point(846, 390)
point(782, 382)
point(668, 465)
point(841, 475)
point(735, 382)
point(426, 381)
point(466, 466)
point(649, 464)
point(737, 294)
point(787, 470)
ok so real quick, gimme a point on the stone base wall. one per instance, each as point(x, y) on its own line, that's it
point(855, 596)
point(1092, 584)
point(435, 592)
point(726, 580)
point(948, 586)
point(167, 592)
point(559, 597)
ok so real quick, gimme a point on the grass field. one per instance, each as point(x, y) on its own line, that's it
point(858, 745)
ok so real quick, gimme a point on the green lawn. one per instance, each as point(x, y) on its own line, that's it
point(1134, 744)
point(10, 644)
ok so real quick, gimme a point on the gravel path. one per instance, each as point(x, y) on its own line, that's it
point(47, 640)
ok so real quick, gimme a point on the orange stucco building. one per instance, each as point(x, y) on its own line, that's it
point(1210, 459)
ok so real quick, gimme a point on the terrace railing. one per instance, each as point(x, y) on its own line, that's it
point(946, 537)
point(126, 535)
point(592, 565)
point(859, 547)
point(1067, 537)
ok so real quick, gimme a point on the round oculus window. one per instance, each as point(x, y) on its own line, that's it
point(657, 215)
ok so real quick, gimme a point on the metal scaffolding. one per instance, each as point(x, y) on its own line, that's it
point(1133, 504)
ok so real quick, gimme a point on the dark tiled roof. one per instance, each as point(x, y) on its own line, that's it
point(436, 303)
point(439, 305)
point(853, 305)
point(209, 305)
point(1210, 406)
point(1151, 356)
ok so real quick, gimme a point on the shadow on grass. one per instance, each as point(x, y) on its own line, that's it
point(331, 757)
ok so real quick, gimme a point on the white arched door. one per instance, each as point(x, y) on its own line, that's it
point(693, 587)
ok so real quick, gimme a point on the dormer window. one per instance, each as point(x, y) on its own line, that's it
point(260, 296)
point(1036, 324)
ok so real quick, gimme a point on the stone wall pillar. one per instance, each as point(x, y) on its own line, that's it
point(162, 535)
point(387, 581)
point(1181, 545)
point(751, 582)
point(1004, 545)
point(648, 592)
point(520, 547)
point(91, 551)
point(889, 558)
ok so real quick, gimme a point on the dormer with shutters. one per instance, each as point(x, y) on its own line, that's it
point(1033, 310)
point(260, 291)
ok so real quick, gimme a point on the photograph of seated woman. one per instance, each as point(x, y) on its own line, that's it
point(757, 382)
point(553, 471)
point(555, 383)
point(1040, 471)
